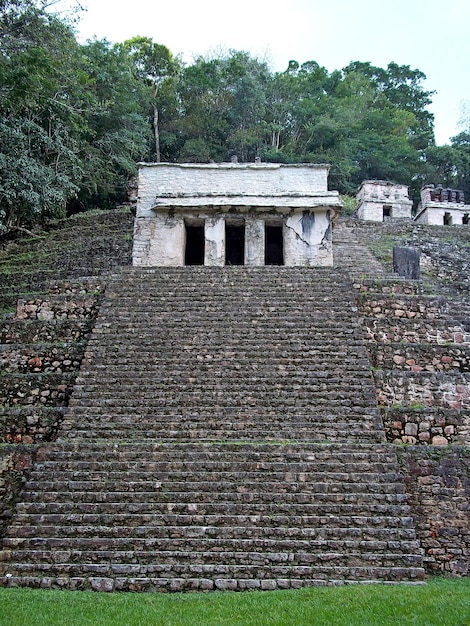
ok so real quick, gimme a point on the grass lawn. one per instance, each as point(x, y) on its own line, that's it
point(441, 602)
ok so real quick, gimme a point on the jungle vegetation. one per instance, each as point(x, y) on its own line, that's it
point(75, 119)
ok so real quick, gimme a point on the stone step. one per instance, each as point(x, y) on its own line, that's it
point(270, 482)
point(395, 493)
point(244, 428)
point(314, 433)
point(199, 474)
point(138, 532)
point(207, 577)
point(394, 506)
point(101, 464)
point(322, 456)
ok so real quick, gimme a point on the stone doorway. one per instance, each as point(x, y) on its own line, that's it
point(195, 240)
point(235, 244)
point(274, 245)
point(447, 219)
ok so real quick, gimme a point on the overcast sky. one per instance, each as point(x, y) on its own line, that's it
point(429, 35)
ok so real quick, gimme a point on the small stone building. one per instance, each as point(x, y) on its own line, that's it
point(234, 214)
point(440, 206)
point(379, 200)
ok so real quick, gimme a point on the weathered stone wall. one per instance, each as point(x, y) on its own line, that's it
point(41, 350)
point(424, 426)
point(15, 463)
point(160, 180)
point(372, 196)
point(433, 213)
point(438, 487)
point(419, 348)
point(418, 357)
point(432, 389)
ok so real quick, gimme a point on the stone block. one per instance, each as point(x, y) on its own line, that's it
point(406, 262)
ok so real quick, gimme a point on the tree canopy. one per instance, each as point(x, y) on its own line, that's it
point(75, 119)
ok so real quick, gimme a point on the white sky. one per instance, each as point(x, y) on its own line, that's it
point(429, 35)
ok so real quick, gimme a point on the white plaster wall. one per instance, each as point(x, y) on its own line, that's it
point(402, 211)
point(370, 211)
point(214, 252)
point(373, 211)
point(307, 239)
point(382, 191)
point(143, 233)
point(168, 243)
point(434, 215)
point(160, 241)
point(163, 179)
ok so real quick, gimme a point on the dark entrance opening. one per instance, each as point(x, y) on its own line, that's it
point(273, 245)
point(387, 211)
point(466, 219)
point(234, 244)
point(447, 219)
point(194, 251)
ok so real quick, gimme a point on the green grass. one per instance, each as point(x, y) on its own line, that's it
point(441, 602)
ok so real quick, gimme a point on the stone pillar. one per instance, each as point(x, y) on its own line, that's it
point(307, 239)
point(214, 232)
point(254, 241)
point(167, 240)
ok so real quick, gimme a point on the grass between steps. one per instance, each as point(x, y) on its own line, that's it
point(439, 602)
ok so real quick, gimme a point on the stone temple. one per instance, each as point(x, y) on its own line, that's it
point(233, 424)
point(234, 214)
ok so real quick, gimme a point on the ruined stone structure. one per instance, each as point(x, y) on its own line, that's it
point(440, 206)
point(379, 200)
point(235, 428)
point(234, 214)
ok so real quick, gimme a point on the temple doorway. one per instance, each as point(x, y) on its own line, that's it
point(274, 245)
point(195, 239)
point(234, 244)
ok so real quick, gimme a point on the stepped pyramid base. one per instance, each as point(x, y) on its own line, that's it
point(176, 517)
point(138, 495)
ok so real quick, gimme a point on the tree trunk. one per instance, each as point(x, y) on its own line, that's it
point(157, 134)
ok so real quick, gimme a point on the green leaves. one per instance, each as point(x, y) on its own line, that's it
point(74, 120)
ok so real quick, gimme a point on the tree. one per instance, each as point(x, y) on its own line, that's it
point(115, 132)
point(223, 107)
point(155, 66)
point(39, 115)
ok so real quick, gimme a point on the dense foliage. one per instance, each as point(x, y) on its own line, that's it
point(75, 119)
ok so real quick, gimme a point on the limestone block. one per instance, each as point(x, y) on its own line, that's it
point(307, 240)
point(166, 245)
point(214, 252)
point(406, 262)
point(254, 241)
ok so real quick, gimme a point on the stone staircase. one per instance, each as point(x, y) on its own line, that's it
point(351, 255)
point(223, 434)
